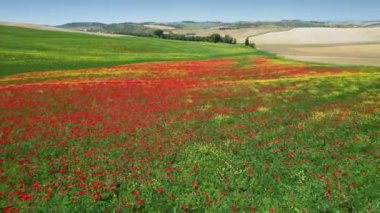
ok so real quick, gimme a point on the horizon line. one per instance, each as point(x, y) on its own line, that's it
point(205, 21)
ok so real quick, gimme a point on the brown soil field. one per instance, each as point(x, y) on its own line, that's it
point(354, 46)
point(240, 34)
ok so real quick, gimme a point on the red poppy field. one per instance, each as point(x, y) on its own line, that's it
point(246, 134)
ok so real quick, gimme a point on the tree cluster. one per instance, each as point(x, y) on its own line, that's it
point(248, 43)
point(214, 38)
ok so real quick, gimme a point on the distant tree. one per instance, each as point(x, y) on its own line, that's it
point(159, 33)
point(227, 39)
point(216, 38)
point(247, 41)
point(253, 45)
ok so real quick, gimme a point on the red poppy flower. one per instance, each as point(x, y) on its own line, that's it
point(159, 190)
point(25, 197)
point(184, 207)
point(234, 208)
point(193, 184)
point(35, 185)
point(139, 202)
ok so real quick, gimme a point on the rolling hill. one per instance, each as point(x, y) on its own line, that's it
point(141, 28)
point(238, 30)
point(23, 50)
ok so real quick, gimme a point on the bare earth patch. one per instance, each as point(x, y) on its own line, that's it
point(360, 54)
point(359, 46)
point(240, 34)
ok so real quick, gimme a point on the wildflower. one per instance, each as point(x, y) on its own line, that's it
point(352, 185)
point(234, 208)
point(35, 185)
point(196, 192)
point(48, 193)
point(96, 196)
point(9, 209)
point(184, 207)
point(328, 195)
point(159, 190)
point(193, 184)
point(25, 197)
point(139, 202)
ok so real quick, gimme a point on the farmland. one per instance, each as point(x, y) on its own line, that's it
point(359, 45)
point(23, 50)
point(196, 128)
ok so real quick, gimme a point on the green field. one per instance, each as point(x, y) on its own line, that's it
point(23, 50)
point(247, 132)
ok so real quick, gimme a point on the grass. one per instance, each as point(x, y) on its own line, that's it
point(23, 50)
point(240, 133)
point(235, 134)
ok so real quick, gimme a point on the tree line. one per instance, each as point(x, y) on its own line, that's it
point(214, 38)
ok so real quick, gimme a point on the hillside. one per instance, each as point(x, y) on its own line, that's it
point(238, 30)
point(50, 50)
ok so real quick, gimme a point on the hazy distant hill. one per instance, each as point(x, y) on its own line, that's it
point(144, 29)
point(121, 28)
point(291, 24)
point(373, 25)
point(196, 25)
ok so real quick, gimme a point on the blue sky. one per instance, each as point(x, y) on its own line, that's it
point(55, 12)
